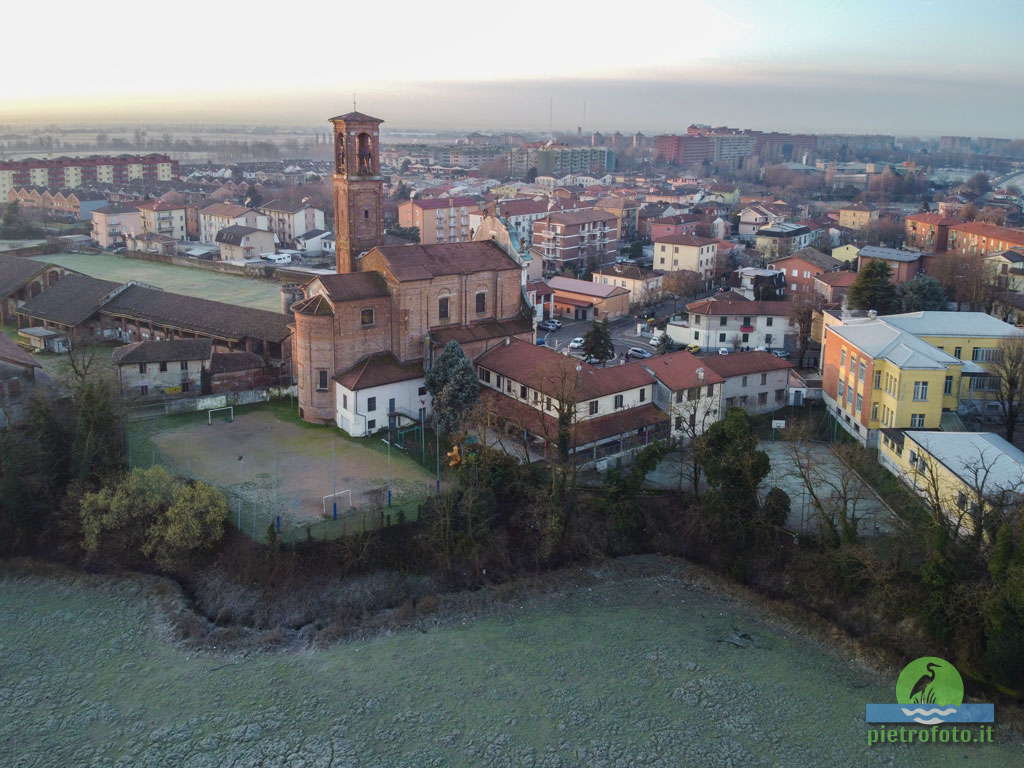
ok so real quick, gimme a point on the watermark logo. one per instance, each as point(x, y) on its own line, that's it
point(930, 691)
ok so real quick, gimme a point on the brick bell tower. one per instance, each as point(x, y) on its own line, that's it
point(358, 188)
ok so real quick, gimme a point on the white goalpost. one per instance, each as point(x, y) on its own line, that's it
point(334, 495)
point(229, 408)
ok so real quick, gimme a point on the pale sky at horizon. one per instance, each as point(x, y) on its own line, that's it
point(911, 66)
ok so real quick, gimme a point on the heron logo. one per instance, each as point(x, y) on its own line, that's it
point(930, 691)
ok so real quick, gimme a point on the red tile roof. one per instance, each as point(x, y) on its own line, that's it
point(377, 370)
point(727, 307)
point(422, 262)
point(743, 363)
point(991, 231)
point(932, 218)
point(678, 370)
point(551, 372)
point(842, 279)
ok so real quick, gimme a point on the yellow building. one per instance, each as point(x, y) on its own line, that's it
point(904, 371)
point(959, 473)
point(857, 216)
point(847, 252)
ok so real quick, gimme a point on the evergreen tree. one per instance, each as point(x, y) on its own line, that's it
point(873, 289)
point(253, 198)
point(665, 344)
point(452, 382)
point(922, 293)
point(597, 343)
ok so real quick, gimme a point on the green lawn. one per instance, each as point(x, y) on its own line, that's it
point(201, 283)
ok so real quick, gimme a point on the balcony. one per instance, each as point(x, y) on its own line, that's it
point(746, 329)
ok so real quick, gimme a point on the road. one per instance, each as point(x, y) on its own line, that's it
point(623, 329)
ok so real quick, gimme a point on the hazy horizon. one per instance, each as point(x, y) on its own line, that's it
point(919, 68)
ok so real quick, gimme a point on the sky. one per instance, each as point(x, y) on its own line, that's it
point(924, 67)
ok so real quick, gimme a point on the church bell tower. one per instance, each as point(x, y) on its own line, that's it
point(358, 188)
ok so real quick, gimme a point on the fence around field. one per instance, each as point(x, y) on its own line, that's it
point(170, 406)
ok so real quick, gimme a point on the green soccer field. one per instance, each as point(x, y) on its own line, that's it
point(232, 289)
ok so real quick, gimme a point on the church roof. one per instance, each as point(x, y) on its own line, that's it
point(423, 262)
point(357, 117)
point(354, 285)
point(379, 369)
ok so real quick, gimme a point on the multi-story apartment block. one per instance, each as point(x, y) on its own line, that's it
point(441, 219)
point(974, 238)
point(697, 254)
point(72, 172)
point(569, 241)
point(927, 231)
point(857, 216)
point(290, 222)
point(518, 215)
point(757, 382)
point(163, 218)
point(781, 239)
point(111, 223)
point(755, 217)
point(733, 324)
point(903, 371)
point(558, 160)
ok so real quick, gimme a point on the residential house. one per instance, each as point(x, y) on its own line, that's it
point(586, 300)
point(697, 254)
point(161, 368)
point(240, 243)
point(903, 265)
point(857, 216)
point(781, 239)
point(110, 224)
point(668, 226)
point(290, 221)
point(758, 216)
point(533, 391)
point(803, 266)
point(733, 324)
point(214, 218)
point(644, 285)
point(833, 286)
point(757, 382)
point(573, 240)
point(626, 211)
point(1006, 270)
point(687, 390)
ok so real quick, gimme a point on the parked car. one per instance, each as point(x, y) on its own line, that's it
point(594, 361)
point(576, 343)
point(656, 338)
point(542, 341)
point(640, 352)
point(723, 350)
point(781, 354)
point(549, 325)
point(694, 349)
point(278, 258)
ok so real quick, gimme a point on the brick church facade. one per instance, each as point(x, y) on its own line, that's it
point(364, 336)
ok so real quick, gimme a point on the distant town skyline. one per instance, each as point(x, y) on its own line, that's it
point(919, 67)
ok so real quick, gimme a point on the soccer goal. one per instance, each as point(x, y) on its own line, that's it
point(229, 408)
point(330, 498)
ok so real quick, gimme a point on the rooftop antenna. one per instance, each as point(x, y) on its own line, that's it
point(354, 101)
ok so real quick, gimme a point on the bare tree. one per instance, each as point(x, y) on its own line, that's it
point(1008, 370)
point(691, 416)
point(803, 307)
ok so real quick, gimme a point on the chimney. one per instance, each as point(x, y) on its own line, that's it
point(700, 374)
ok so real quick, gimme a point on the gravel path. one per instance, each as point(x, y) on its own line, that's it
point(630, 671)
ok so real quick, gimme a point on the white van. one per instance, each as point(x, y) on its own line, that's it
point(278, 258)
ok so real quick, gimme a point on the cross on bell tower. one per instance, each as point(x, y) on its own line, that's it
point(358, 188)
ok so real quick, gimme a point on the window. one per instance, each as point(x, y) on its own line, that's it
point(744, 381)
point(618, 401)
point(730, 402)
point(391, 405)
point(961, 500)
point(874, 411)
point(917, 420)
point(522, 391)
point(144, 389)
point(861, 370)
point(842, 358)
point(842, 389)
point(366, 317)
point(913, 459)
point(746, 321)
point(142, 367)
point(768, 339)
point(593, 407)
point(696, 335)
point(485, 376)
point(344, 402)
point(947, 387)
point(721, 337)
point(746, 337)
point(860, 403)
point(643, 394)
point(481, 302)
point(878, 379)
point(780, 395)
point(321, 380)
point(762, 398)
point(679, 396)
point(163, 367)
point(764, 378)
point(184, 365)
point(442, 308)
point(371, 425)
point(920, 390)
point(769, 321)
point(679, 422)
point(796, 272)
point(710, 390)
point(371, 404)
point(723, 320)
point(957, 351)
point(422, 391)
point(982, 355)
